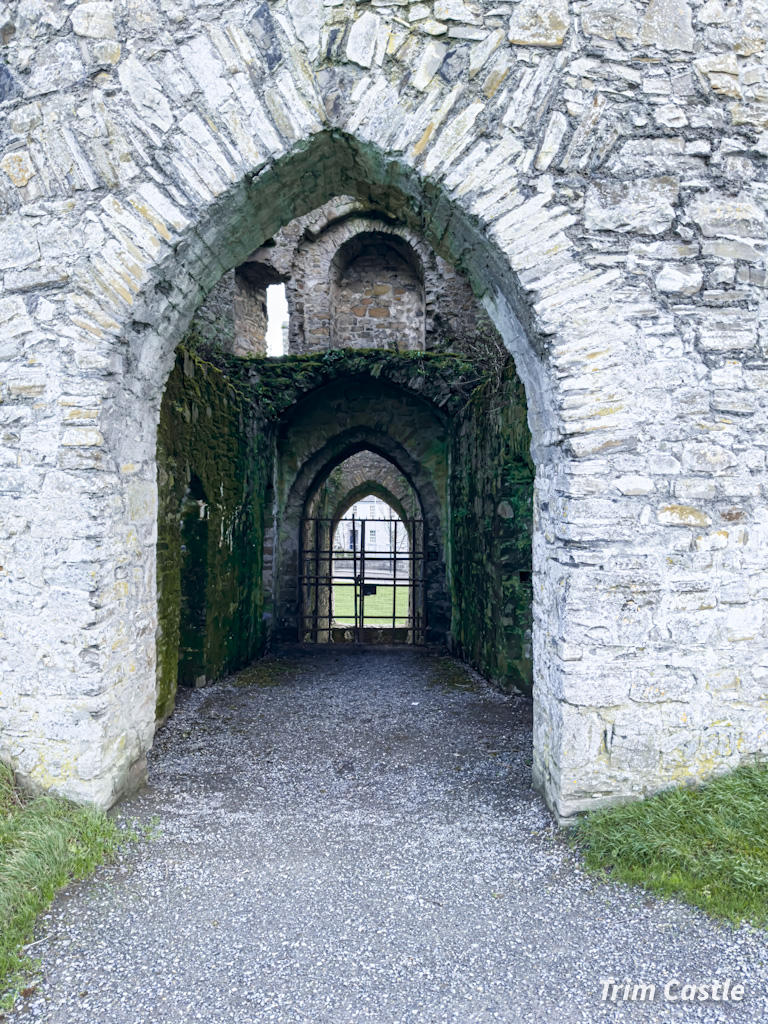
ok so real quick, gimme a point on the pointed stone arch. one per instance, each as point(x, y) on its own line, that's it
point(361, 491)
point(313, 472)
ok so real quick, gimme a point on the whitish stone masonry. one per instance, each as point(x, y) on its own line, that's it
point(597, 168)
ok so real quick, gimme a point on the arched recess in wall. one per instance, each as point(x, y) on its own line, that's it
point(377, 294)
point(225, 233)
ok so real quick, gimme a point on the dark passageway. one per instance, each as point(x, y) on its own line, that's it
point(393, 382)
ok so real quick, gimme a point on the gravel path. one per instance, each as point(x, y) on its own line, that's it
point(358, 844)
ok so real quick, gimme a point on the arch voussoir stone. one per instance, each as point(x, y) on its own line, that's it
point(616, 242)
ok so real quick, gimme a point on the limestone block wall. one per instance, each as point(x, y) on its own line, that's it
point(234, 314)
point(597, 169)
point(215, 319)
point(249, 312)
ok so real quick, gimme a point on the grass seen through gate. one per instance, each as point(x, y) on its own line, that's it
point(45, 842)
point(707, 845)
point(377, 608)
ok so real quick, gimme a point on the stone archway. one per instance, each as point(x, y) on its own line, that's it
point(376, 489)
point(333, 568)
point(403, 429)
point(364, 473)
point(172, 169)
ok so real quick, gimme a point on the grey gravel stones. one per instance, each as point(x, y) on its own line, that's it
point(359, 844)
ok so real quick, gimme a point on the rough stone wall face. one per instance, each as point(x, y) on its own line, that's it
point(215, 319)
point(250, 318)
point(491, 528)
point(377, 299)
point(597, 169)
point(207, 435)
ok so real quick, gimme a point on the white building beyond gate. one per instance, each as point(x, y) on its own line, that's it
point(597, 168)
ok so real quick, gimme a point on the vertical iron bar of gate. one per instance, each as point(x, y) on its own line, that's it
point(354, 574)
point(412, 579)
point(331, 570)
point(362, 575)
point(423, 583)
point(315, 633)
point(302, 597)
point(416, 587)
point(393, 553)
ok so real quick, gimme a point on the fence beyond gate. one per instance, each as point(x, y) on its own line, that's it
point(356, 593)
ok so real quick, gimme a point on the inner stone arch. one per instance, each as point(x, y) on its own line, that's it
point(400, 428)
point(363, 581)
point(365, 472)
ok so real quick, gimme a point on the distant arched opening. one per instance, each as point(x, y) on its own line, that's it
point(377, 591)
point(362, 555)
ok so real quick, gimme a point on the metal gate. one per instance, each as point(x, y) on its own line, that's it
point(360, 589)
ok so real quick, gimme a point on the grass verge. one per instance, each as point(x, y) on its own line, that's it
point(707, 845)
point(45, 842)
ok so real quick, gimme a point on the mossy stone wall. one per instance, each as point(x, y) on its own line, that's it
point(491, 533)
point(208, 429)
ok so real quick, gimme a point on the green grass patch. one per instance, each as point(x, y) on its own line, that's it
point(707, 845)
point(377, 608)
point(45, 842)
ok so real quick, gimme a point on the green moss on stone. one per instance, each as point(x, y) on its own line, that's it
point(209, 429)
point(492, 531)
point(274, 384)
